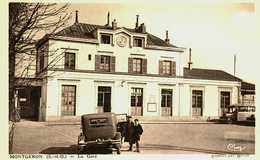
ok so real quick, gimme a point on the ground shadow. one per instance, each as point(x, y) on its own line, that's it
point(60, 150)
point(73, 149)
point(242, 123)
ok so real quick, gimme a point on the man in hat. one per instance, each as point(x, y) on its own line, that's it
point(128, 129)
point(136, 135)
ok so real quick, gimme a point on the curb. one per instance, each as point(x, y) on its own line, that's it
point(239, 136)
point(175, 122)
point(144, 122)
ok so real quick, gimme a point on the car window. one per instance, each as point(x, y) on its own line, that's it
point(98, 122)
point(246, 109)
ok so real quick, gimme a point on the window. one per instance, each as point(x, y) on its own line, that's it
point(41, 62)
point(166, 67)
point(197, 102)
point(224, 101)
point(105, 63)
point(69, 60)
point(166, 99)
point(136, 101)
point(136, 97)
point(138, 42)
point(104, 96)
point(197, 99)
point(137, 65)
point(106, 39)
point(248, 99)
point(98, 122)
point(68, 100)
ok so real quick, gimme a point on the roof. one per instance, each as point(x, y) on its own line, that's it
point(85, 30)
point(209, 74)
point(247, 88)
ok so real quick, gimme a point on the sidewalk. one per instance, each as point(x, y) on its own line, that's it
point(142, 121)
point(169, 138)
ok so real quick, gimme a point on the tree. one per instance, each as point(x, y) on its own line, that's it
point(27, 22)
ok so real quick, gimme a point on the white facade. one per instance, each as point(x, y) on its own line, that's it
point(87, 80)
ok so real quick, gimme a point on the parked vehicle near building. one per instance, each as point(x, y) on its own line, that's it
point(99, 131)
point(238, 113)
point(244, 113)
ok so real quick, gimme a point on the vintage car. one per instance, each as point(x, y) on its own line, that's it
point(244, 113)
point(99, 131)
point(239, 113)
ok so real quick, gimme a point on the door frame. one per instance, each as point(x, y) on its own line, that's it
point(173, 88)
point(201, 88)
point(75, 100)
point(104, 84)
point(104, 97)
point(67, 82)
point(142, 95)
point(224, 89)
point(32, 94)
point(137, 85)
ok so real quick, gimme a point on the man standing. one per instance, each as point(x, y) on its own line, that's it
point(137, 132)
point(128, 130)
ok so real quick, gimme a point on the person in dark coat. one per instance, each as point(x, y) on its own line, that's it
point(121, 128)
point(136, 135)
point(128, 129)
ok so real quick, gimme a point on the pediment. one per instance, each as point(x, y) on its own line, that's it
point(123, 31)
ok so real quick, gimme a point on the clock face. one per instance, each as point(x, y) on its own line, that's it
point(121, 41)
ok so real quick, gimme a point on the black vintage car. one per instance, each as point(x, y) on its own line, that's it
point(99, 131)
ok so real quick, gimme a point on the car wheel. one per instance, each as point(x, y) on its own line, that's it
point(80, 150)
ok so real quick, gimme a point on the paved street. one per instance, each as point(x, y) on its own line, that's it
point(42, 137)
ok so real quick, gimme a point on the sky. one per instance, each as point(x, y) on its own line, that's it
point(214, 31)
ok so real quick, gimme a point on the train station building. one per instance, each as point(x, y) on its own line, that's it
point(88, 68)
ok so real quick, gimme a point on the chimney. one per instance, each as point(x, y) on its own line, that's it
point(143, 28)
point(136, 24)
point(235, 63)
point(108, 18)
point(190, 63)
point(167, 40)
point(114, 24)
point(76, 17)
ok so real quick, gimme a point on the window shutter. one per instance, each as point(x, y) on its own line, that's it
point(97, 62)
point(160, 67)
point(144, 66)
point(112, 63)
point(130, 65)
point(173, 67)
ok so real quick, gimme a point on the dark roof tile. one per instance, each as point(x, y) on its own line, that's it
point(247, 88)
point(84, 30)
point(153, 40)
point(209, 74)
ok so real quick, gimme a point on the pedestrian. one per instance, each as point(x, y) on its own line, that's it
point(136, 135)
point(122, 130)
point(128, 129)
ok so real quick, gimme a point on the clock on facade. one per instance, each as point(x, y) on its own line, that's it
point(121, 41)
